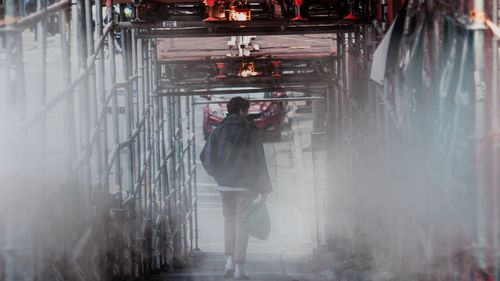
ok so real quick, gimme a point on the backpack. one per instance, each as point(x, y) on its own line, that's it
point(209, 154)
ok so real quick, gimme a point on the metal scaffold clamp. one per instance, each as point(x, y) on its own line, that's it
point(480, 21)
point(477, 21)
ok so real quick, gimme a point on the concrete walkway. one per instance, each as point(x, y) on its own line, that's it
point(260, 267)
point(287, 254)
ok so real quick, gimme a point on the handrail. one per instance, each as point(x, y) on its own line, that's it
point(265, 100)
point(24, 23)
point(143, 174)
point(69, 90)
point(99, 45)
point(53, 102)
point(101, 115)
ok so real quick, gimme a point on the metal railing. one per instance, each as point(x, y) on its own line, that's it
point(126, 178)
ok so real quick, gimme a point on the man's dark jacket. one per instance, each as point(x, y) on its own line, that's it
point(234, 156)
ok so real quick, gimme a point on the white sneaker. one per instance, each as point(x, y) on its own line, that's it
point(239, 273)
point(229, 268)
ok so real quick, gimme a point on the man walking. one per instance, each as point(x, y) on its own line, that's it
point(234, 156)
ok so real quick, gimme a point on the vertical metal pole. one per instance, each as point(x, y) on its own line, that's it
point(10, 101)
point(141, 145)
point(153, 135)
point(173, 175)
point(481, 129)
point(195, 176)
point(128, 101)
point(140, 112)
point(494, 126)
point(157, 152)
point(329, 144)
point(166, 149)
point(93, 95)
point(164, 184)
point(135, 98)
point(69, 119)
point(189, 171)
point(84, 95)
point(116, 130)
point(168, 166)
point(149, 147)
point(147, 123)
point(114, 101)
point(101, 88)
point(41, 32)
point(166, 176)
point(136, 152)
point(17, 95)
point(315, 190)
point(21, 85)
point(41, 36)
point(145, 144)
point(181, 176)
point(176, 172)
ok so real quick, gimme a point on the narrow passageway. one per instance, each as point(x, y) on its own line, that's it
point(288, 250)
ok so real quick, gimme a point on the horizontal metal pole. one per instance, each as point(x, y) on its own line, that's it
point(68, 91)
point(177, 132)
point(100, 43)
point(243, 91)
point(135, 133)
point(114, 156)
point(289, 80)
point(164, 161)
point(160, 24)
point(11, 29)
point(206, 32)
point(254, 23)
point(187, 29)
point(289, 59)
point(186, 182)
point(313, 84)
point(53, 102)
point(139, 181)
point(264, 100)
point(124, 144)
point(28, 21)
point(102, 115)
point(157, 177)
point(186, 147)
point(171, 193)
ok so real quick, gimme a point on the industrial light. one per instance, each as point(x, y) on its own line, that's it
point(236, 14)
point(248, 70)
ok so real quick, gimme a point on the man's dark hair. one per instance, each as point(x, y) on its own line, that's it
point(236, 104)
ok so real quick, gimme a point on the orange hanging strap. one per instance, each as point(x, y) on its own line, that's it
point(494, 28)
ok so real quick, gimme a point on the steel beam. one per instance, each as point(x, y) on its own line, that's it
point(242, 31)
point(254, 81)
point(244, 91)
point(267, 100)
point(186, 29)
